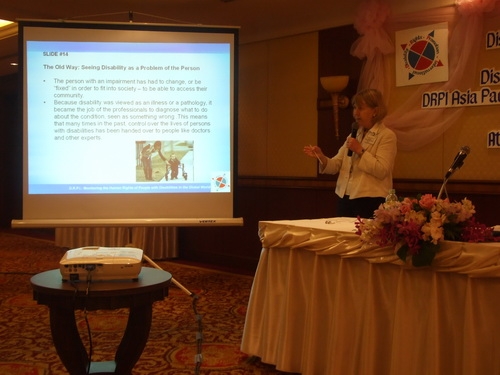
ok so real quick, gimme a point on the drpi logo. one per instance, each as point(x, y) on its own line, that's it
point(421, 55)
point(220, 182)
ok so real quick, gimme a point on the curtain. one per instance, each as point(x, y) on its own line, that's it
point(416, 127)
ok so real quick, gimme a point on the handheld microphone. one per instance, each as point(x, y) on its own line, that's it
point(354, 131)
point(459, 161)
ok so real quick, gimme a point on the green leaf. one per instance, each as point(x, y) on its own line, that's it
point(425, 256)
point(402, 252)
point(452, 231)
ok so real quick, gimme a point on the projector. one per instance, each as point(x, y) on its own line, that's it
point(97, 263)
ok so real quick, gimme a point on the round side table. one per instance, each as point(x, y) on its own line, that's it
point(64, 297)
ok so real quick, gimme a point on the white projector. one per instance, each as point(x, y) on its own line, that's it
point(97, 263)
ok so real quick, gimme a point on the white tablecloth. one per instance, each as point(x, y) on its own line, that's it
point(324, 304)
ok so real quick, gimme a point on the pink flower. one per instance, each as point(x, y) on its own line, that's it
point(388, 213)
point(476, 232)
point(407, 205)
point(427, 201)
point(410, 231)
point(417, 226)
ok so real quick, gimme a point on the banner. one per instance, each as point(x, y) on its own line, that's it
point(422, 55)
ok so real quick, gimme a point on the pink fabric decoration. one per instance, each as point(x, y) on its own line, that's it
point(468, 7)
point(374, 42)
point(414, 126)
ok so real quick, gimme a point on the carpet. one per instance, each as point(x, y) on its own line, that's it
point(25, 340)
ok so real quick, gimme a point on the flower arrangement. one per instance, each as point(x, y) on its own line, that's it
point(415, 226)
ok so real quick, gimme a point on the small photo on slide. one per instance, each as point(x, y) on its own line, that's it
point(166, 161)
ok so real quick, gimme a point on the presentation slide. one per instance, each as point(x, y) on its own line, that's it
point(123, 113)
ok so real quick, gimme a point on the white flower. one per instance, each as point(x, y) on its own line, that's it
point(433, 229)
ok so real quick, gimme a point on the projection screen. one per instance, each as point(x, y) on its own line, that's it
point(128, 123)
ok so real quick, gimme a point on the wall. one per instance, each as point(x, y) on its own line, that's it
point(277, 106)
point(269, 189)
point(279, 89)
point(278, 113)
point(279, 94)
point(432, 161)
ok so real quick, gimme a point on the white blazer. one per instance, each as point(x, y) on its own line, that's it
point(368, 175)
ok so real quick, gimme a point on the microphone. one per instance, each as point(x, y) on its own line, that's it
point(459, 161)
point(354, 131)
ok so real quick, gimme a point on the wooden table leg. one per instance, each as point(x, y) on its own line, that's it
point(62, 300)
point(67, 340)
point(134, 339)
point(71, 350)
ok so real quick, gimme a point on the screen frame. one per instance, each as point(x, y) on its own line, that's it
point(80, 214)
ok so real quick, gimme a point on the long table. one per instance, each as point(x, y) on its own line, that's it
point(324, 303)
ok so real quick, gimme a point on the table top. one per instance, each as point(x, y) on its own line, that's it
point(49, 289)
point(337, 224)
point(337, 236)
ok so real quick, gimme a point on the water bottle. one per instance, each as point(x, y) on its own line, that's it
point(391, 197)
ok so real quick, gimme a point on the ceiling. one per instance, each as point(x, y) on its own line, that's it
point(257, 19)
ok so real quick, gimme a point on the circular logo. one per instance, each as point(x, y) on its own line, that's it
point(421, 55)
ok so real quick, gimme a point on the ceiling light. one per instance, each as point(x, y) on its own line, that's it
point(4, 23)
point(8, 30)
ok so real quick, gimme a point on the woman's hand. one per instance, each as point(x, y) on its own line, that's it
point(315, 152)
point(354, 145)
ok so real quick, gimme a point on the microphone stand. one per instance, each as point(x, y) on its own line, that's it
point(446, 178)
point(457, 164)
point(443, 187)
point(199, 336)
